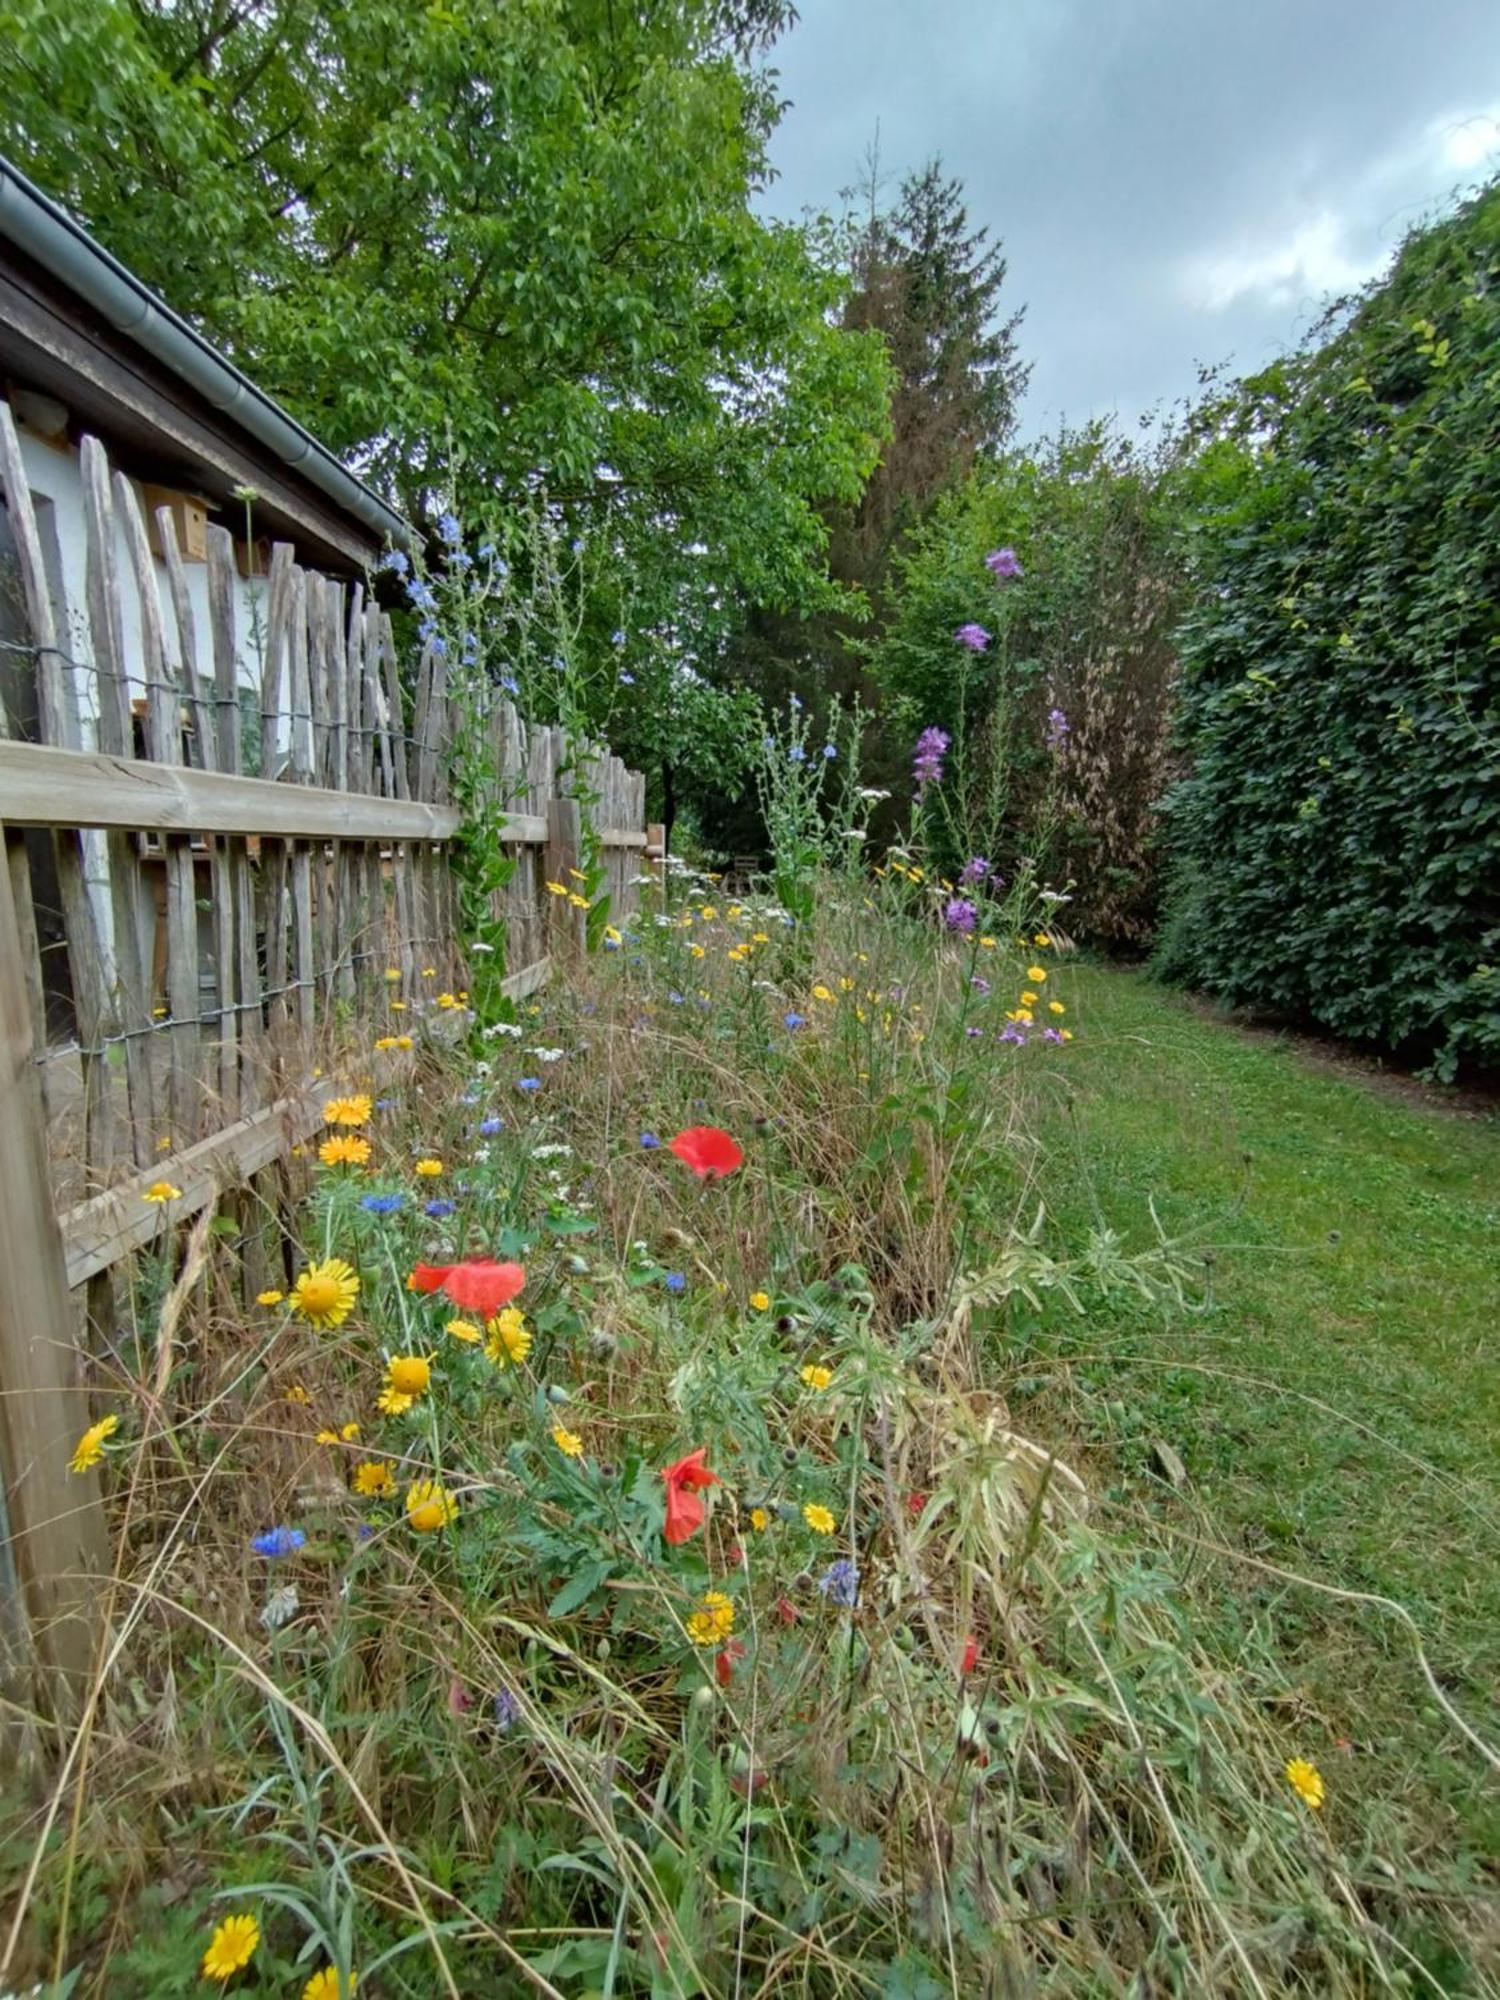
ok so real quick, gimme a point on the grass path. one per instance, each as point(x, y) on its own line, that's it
point(1355, 1236)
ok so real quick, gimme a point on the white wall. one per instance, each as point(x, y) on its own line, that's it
point(54, 475)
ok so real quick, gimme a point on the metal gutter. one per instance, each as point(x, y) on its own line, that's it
point(50, 236)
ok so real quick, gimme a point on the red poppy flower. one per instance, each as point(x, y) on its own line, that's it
point(786, 1611)
point(480, 1285)
point(685, 1512)
point(971, 1656)
point(724, 1662)
point(709, 1152)
point(915, 1502)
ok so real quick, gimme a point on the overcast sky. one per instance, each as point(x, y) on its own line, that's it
point(1173, 180)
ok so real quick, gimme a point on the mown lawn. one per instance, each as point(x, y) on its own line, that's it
point(1336, 1406)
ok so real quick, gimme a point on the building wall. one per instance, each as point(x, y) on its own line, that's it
point(54, 474)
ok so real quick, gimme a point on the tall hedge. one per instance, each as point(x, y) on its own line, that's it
point(1337, 842)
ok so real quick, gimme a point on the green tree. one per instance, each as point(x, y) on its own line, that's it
point(482, 248)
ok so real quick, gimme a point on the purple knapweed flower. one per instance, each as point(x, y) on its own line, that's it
point(927, 761)
point(1013, 1033)
point(1052, 1035)
point(973, 871)
point(1004, 566)
point(1057, 728)
point(979, 983)
point(507, 1710)
point(960, 915)
point(973, 636)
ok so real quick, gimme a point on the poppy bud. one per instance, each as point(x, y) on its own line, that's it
point(785, 1323)
point(607, 1468)
point(802, 1580)
point(789, 1455)
point(556, 1393)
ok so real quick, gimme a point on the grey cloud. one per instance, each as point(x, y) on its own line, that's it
point(1173, 180)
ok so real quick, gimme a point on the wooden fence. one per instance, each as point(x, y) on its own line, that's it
point(245, 874)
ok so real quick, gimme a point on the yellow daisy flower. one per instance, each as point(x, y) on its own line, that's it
point(1042, 940)
point(348, 1110)
point(326, 1985)
point(297, 1394)
point(1036, 974)
point(393, 974)
point(392, 1403)
point(1028, 999)
point(464, 1329)
point(429, 1506)
point(1306, 1780)
point(270, 1298)
point(373, 1479)
point(713, 1621)
point(509, 1339)
point(90, 1447)
point(231, 1947)
point(821, 993)
point(760, 1520)
point(447, 1001)
point(568, 1442)
point(160, 1191)
point(818, 1518)
point(344, 1152)
point(429, 1169)
point(324, 1295)
point(384, 1042)
point(408, 1374)
point(1056, 1007)
point(760, 1302)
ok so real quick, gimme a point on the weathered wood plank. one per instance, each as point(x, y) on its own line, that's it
point(56, 709)
point(200, 751)
point(99, 1232)
point(106, 621)
point(46, 787)
point(516, 985)
point(57, 1535)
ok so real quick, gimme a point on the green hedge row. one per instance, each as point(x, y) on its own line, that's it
point(1337, 842)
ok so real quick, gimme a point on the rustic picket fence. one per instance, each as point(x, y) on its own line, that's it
point(251, 884)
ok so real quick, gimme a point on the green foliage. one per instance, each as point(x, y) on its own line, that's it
point(511, 236)
point(1088, 630)
point(1335, 841)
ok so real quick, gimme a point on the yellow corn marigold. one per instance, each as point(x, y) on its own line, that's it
point(568, 1442)
point(342, 1152)
point(713, 1621)
point(509, 1339)
point(90, 1447)
point(324, 1295)
point(1306, 1780)
point(373, 1479)
point(231, 1947)
point(408, 1374)
point(348, 1110)
point(818, 1518)
point(326, 1985)
point(816, 1376)
point(429, 1506)
point(429, 1169)
point(160, 1191)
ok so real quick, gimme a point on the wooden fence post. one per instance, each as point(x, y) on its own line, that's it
point(55, 1519)
point(564, 840)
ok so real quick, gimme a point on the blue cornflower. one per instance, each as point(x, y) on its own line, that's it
point(488, 1127)
point(449, 529)
point(794, 1021)
point(278, 1541)
point(839, 1583)
point(649, 1142)
point(675, 1281)
point(382, 1204)
point(529, 1083)
point(439, 1210)
point(507, 1710)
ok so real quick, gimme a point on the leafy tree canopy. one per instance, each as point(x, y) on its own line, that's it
point(482, 247)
